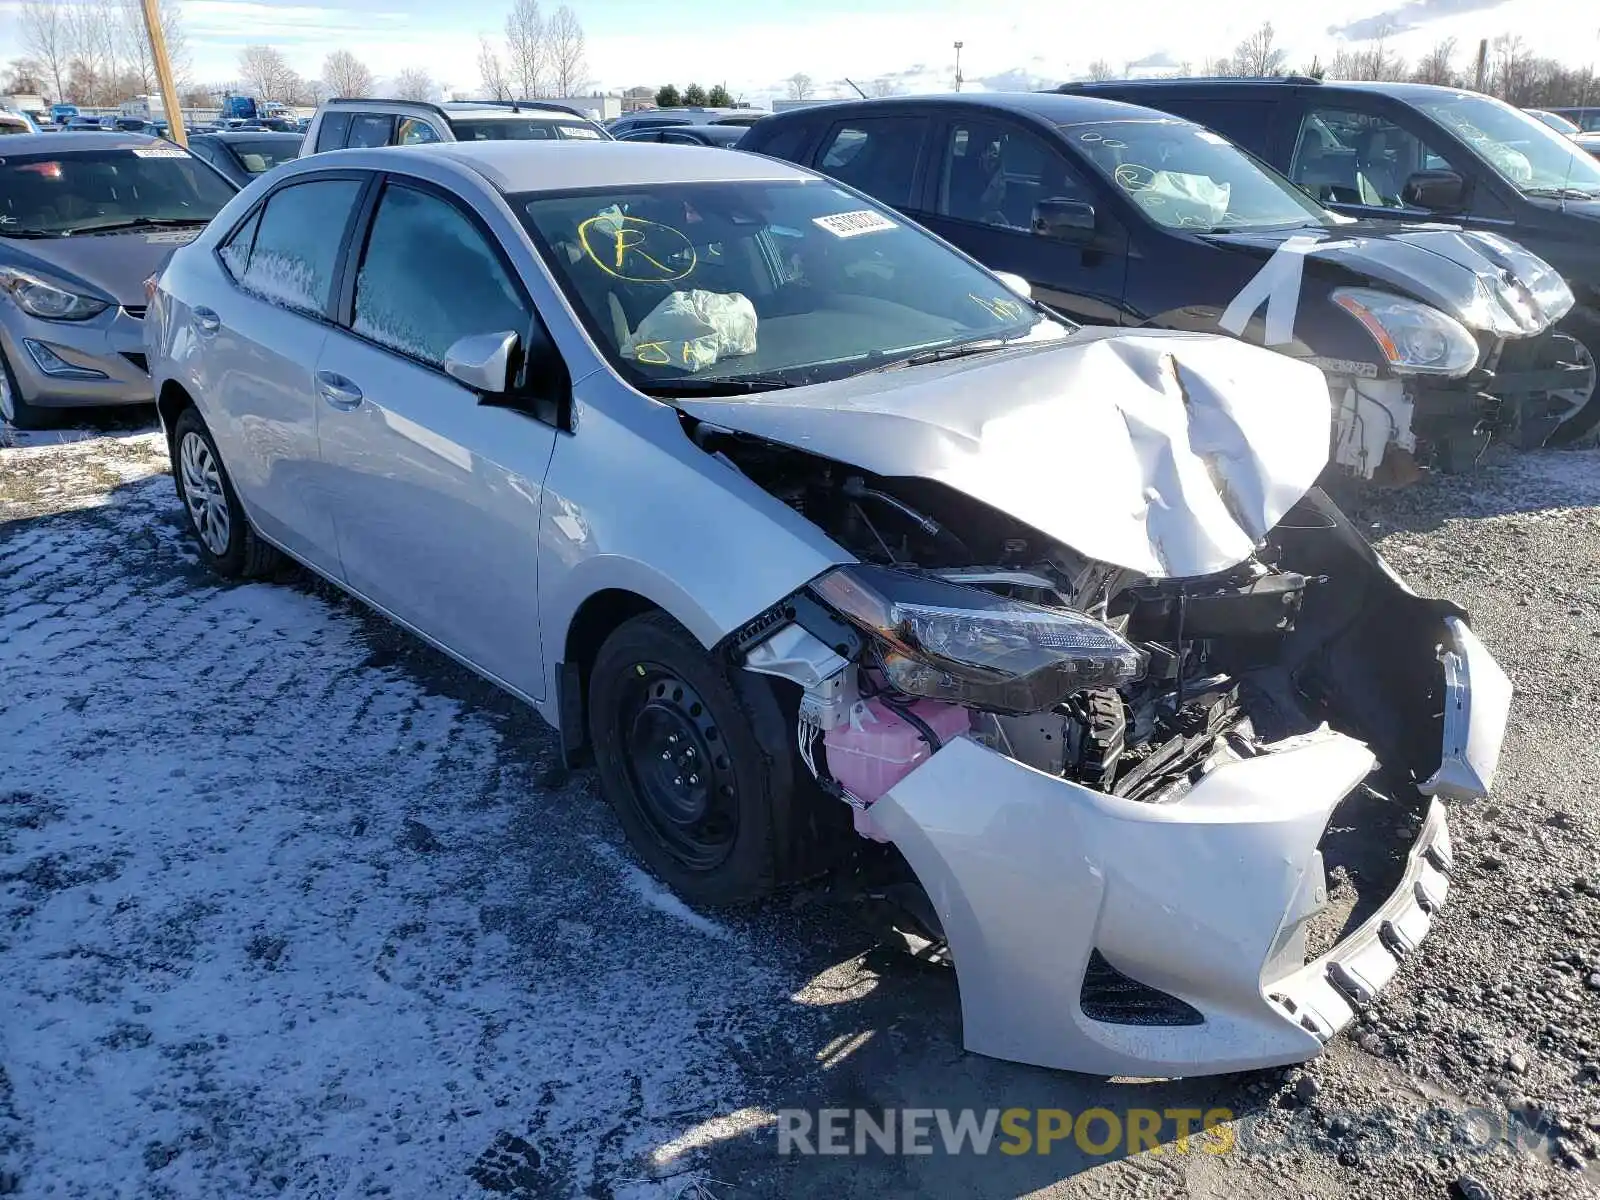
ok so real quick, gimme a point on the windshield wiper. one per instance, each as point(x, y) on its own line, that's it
point(942, 354)
point(138, 223)
point(1562, 193)
point(30, 233)
point(731, 385)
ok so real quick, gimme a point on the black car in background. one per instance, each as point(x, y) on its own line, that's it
point(1117, 215)
point(242, 154)
point(688, 135)
point(659, 118)
point(1416, 153)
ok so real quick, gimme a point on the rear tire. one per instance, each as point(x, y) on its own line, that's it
point(1584, 325)
point(694, 758)
point(211, 507)
point(16, 411)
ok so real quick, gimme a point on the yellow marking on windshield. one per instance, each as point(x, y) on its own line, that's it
point(636, 250)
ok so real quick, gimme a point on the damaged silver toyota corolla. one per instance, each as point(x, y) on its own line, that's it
point(837, 553)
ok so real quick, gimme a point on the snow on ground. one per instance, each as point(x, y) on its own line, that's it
point(279, 920)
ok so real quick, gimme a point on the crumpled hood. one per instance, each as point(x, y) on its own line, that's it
point(1167, 453)
point(1479, 278)
point(113, 265)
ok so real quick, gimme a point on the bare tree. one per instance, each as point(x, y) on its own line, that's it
point(884, 86)
point(1438, 64)
point(1259, 55)
point(492, 72)
point(25, 76)
point(564, 38)
point(1100, 69)
point(413, 83)
point(346, 75)
point(92, 39)
point(264, 70)
point(801, 86)
point(527, 48)
point(1514, 69)
point(46, 40)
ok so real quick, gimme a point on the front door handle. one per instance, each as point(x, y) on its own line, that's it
point(206, 322)
point(338, 391)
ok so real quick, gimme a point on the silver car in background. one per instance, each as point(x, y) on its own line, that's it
point(84, 221)
point(830, 546)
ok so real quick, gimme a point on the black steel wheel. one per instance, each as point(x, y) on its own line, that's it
point(696, 759)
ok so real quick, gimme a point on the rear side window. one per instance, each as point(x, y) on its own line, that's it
point(420, 303)
point(414, 131)
point(287, 253)
point(331, 133)
point(1247, 123)
point(788, 143)
point(878, 155)
point(370, 129)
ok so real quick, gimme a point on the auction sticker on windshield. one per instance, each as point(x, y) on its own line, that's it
point(853, 224)
point(160, 152)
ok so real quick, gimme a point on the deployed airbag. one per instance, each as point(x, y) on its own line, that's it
point(692, 330)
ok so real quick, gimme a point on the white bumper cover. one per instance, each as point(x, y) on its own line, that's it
point(1204, 899)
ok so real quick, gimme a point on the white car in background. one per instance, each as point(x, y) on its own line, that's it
point(814, 533)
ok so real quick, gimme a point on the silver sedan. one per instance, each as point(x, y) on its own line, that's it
point(827, 545)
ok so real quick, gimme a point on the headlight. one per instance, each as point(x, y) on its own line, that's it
point(45, 300)
point(959, 644)
point(1416, 339)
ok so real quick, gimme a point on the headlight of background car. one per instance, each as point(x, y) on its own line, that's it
point(959, 644)
point(46, 300)
point(1415, 338)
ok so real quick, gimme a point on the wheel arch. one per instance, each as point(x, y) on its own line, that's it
point(171, 400)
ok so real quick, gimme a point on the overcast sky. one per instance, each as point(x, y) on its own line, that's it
point(754, 47)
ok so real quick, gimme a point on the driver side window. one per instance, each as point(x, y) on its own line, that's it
point(995, 174)
point(1344, 156)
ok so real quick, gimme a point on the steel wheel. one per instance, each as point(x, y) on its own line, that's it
point(202, 492)
point(683, 781)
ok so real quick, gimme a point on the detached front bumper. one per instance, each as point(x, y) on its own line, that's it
point(73, 364)
point(1195, 912)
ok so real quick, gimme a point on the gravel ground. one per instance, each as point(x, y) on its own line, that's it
point(294, 907)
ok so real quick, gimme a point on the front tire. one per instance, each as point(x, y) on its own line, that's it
point(16, 411)
point(692, 755)
point(211, 507)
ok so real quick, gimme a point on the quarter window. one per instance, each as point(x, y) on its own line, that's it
point(415, 132)
point(995, 174)
point(420, 301)
point(331, 133)
point(287, 253)
point(1348, 157)
point(878, 156)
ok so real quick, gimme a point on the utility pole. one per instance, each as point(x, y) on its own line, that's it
point(1482, 79)
point(169, 89)
point(958, 65)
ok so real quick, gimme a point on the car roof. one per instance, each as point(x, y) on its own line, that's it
point(1054, 107)
point(555, 166)
point(1399, 90)
point(59, 143)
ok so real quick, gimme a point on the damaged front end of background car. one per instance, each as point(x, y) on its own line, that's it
point(1137, 729)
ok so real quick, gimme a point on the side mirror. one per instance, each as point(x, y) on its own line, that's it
point(1016, 283)
point(1064, 220)
point(1437, 191)
point(483, 361)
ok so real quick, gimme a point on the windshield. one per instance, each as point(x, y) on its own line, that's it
point(778, 282)
point(1185, 177)
point(513, 129)
point(1530, 154)
point(260, 157)
point(73, 191)
point(1557, 122)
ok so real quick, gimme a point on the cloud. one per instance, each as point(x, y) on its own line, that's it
point(1159, 59)
point(1411, 15)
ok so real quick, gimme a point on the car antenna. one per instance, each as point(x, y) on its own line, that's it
point(852, 83)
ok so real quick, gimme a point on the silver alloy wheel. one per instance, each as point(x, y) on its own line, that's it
point(1577, 398)
point(202, 492)
point(8, 408)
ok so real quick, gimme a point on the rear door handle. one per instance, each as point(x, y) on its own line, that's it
point(338, 391)
point(206, 322)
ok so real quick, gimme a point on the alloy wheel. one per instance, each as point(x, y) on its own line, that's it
point(203, 493)
point(1576, 399)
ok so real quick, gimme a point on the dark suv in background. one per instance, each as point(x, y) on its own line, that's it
point(1118, 215)
point(1416, 153)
